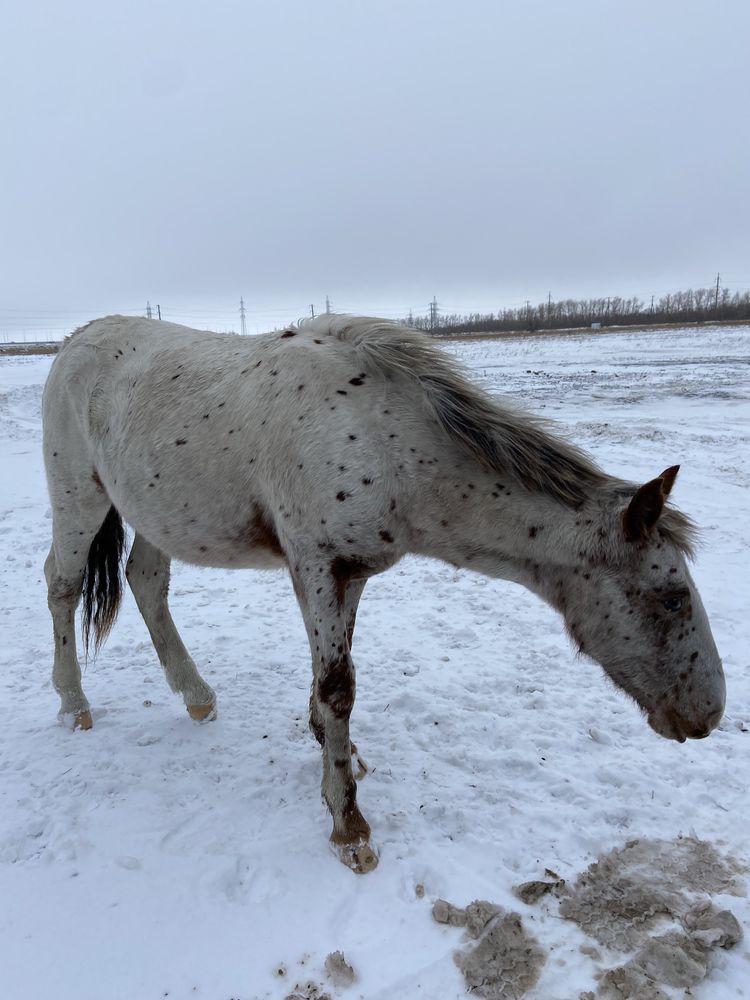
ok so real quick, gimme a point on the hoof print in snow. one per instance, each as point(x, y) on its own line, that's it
point(506, 961)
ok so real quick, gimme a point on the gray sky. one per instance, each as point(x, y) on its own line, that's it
point(381, 153)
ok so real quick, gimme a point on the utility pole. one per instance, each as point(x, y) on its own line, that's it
point(433, 313)
point(243, 328)
point(716, 299)
point(652, 305)
point(328, 306)
point(312, 310)
point(149, 314)
point(158, 309)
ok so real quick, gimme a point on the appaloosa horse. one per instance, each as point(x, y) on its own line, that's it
point(333, 448)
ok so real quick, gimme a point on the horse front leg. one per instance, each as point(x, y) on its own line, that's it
point(317, 727)
point(322, 599)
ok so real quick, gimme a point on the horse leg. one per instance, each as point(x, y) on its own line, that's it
point(324, 608)
point(352, 597)
point(74, 529)
point(147, 572)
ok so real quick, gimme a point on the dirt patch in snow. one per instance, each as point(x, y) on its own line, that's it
point(649, 901)
point(506, 961)
point(624, 894)
point(656, 886)
point(308, 991)
point(339, 973)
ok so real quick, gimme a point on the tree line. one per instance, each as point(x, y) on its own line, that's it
point(696, 305)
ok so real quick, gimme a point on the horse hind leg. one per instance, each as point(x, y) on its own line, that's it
point(85, 548)
point(147, 572)
point(63, 594)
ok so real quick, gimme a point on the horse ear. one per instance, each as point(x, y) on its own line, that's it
point(644, 510)
point(668, 477)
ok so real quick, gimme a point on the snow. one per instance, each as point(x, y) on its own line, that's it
point(154, 857)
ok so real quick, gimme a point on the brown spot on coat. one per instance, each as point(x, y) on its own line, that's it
point(336, 687)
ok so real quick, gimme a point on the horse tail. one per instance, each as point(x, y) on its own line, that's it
point(102, 580)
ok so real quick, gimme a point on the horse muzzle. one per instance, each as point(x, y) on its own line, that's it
point(670, 724)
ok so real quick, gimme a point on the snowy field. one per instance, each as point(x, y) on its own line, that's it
point(155, 857)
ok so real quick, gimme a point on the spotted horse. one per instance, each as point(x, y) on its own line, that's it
point(334, 448)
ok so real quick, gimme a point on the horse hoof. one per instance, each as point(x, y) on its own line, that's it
point(83, 720)
point(360, 857)
point(202, 713)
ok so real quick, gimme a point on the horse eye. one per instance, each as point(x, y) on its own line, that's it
point(673, 603)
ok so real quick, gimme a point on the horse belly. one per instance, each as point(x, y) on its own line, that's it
point(219, 553)
point(217, 530)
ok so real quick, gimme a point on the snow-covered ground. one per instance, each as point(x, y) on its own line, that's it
point(155, 857)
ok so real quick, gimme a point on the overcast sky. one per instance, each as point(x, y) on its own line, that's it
point(380, 153)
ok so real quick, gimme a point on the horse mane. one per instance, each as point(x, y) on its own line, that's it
point(503, 438)
point(79, 329)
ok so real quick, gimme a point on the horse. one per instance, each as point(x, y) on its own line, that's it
point(334, 447)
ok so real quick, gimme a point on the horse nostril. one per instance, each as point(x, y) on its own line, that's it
point(699, 734)
point(687, 728)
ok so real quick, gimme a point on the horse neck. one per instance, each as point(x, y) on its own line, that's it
point(488, 523)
